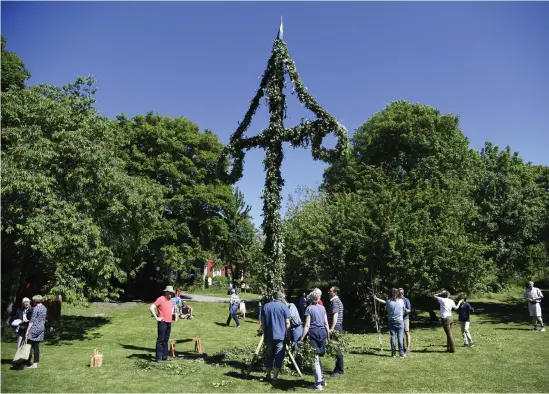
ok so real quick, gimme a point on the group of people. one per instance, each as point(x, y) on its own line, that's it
point(398, 318)
point(181, 310)
point(281, 321)
point(29, 326)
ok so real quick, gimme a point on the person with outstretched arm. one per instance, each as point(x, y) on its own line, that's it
point(446, 307)
point(395, 312)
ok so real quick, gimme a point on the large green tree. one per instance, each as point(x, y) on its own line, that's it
point(182, 161)
point(404, 203)
point(513, 212)
point(72, 220)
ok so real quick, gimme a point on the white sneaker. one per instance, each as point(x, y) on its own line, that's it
point(543, 329)
point(317, 387)
point(35, 365)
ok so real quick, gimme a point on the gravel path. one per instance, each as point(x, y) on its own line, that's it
point(206, 298)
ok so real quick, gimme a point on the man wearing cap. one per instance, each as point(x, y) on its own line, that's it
point(534, 296)
point(164, 319)
point(276, 323)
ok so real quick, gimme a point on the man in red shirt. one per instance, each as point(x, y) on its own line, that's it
point(164, 319)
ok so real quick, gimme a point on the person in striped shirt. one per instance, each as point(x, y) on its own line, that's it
point(335, 318)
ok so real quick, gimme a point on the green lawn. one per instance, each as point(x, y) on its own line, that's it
point(509, 356)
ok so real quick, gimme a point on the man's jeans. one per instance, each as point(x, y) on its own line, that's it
point(296, 333)
point(235, 317)
point(396, 329)
point(274, 351)
point(447, 323)
point(339, 359)
point(164, 331)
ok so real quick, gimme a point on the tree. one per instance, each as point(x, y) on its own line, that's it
point(72, 220)
point(14, 71)
point(513, 212)
point(240, 236)
point(403, 205)
point(182, 161)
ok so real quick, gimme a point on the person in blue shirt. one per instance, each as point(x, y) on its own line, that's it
point(406, 319)
point(395, 311)
point(302, 305)
point(465, 311)
point(276, 323)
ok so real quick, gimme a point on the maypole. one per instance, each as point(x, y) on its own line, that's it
point(307, 133)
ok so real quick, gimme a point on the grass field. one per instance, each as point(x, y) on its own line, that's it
point(509, 356)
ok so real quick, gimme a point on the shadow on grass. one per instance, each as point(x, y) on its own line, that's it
point(372, 352)
point(513, 329)
point(132, 347)
point(512, 311)
point(142, 356)
point(282, 384)
point(76, 328)
point(221, 324)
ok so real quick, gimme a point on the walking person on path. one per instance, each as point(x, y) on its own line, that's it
point(335, 320)
point(534, 296)
point(446, 307)
point(276, 324)
point(316, 325)
point(37, 328)
point(395, 312)
point(164, 306)
point(234, 304)
point(406, 319)
point(465, 311)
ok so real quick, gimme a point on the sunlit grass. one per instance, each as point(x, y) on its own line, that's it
point(509, 356)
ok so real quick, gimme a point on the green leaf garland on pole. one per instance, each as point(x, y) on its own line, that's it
point(271, 139)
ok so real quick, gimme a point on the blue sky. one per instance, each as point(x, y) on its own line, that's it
point(486, 62)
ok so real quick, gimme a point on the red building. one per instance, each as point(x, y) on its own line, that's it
point(211, 270)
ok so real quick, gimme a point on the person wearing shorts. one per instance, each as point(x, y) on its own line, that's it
point(406, 317)
point(534, 295)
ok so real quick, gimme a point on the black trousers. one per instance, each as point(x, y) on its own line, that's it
point(164, 331)
point(339, 359)
point(35, 350)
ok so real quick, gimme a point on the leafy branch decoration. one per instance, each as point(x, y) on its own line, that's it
point(271, 139)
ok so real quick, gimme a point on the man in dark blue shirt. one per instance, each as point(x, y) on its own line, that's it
point(465, 311)
point(276, 323)
point(406, 318)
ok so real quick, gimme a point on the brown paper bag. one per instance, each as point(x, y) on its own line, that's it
point(97, 359)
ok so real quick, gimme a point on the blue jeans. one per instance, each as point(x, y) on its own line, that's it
point(396, 328)
point(296, 333)
point(275, 351)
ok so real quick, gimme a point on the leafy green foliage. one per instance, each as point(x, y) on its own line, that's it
point(181, 160)
point(72, 218)
point(14, 71)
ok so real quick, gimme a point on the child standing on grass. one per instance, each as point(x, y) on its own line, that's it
point(465, 311)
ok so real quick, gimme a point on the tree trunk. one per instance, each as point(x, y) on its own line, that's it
point(12, 280)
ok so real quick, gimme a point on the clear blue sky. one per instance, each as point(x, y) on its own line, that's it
point(486, 62)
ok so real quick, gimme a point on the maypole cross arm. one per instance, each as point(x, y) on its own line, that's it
point(271, 139)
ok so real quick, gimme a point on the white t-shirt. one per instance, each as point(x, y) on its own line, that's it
point(534, 292)
point(446, 305)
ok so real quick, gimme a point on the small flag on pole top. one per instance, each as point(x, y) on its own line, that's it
point(280, 34)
